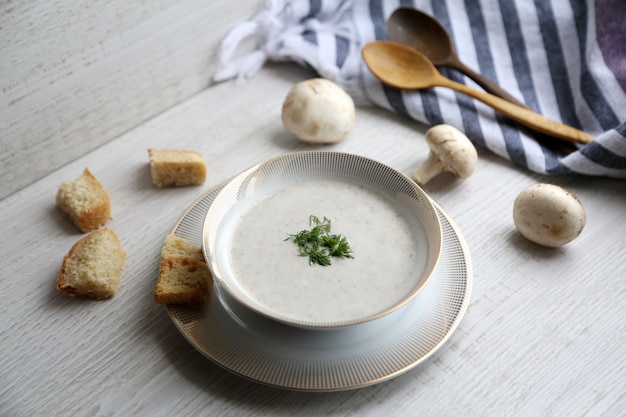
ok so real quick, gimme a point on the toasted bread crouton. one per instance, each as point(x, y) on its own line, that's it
point(184, 277)
point(85, 201)
point(177, 247)
point(182, 281)
point(93, 267)
point(176, 168)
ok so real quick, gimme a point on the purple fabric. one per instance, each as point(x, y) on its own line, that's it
point(611, 35)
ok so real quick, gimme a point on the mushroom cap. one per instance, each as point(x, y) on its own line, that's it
point(318, 111)
point(456, 152)
point(548, 215)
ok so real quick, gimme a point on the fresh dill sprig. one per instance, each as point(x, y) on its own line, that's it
point(319, 244)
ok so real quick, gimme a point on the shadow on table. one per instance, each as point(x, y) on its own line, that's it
point(523, 245)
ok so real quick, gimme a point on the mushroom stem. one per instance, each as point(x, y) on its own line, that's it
point(429, 169)
point(450, 151)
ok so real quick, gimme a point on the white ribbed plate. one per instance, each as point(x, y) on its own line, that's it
point(283, 356)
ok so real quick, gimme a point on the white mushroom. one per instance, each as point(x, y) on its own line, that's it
point(318, 111)
point(450, 151)
point(548, 215)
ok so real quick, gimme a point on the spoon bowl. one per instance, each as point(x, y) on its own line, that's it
point(427, 35)
point(400, 66)
point(403, 67)
point(424, 33)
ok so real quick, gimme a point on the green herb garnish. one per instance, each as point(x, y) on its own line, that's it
point(318, 244)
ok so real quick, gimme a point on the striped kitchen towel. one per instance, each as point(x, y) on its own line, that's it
point(566, 59)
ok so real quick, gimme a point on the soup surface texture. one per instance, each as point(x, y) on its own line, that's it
point(388, 243)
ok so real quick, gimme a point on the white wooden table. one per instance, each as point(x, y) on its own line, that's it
point(544, 334)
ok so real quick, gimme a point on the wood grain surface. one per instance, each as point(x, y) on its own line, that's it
point(544, 334)
point(76, 74)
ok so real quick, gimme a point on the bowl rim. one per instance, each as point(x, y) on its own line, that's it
point(432, 259)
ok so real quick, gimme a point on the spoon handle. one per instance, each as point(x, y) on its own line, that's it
point(486, 83)
point(520, 114)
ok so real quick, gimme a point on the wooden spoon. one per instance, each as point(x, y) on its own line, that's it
point(423, 32)
point(403, 67)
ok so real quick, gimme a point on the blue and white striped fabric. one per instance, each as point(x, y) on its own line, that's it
point(566, 59)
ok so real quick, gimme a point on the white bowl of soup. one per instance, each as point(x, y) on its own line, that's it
point(322, 240)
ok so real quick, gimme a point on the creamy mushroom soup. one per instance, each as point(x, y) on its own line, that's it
point(389, 248)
